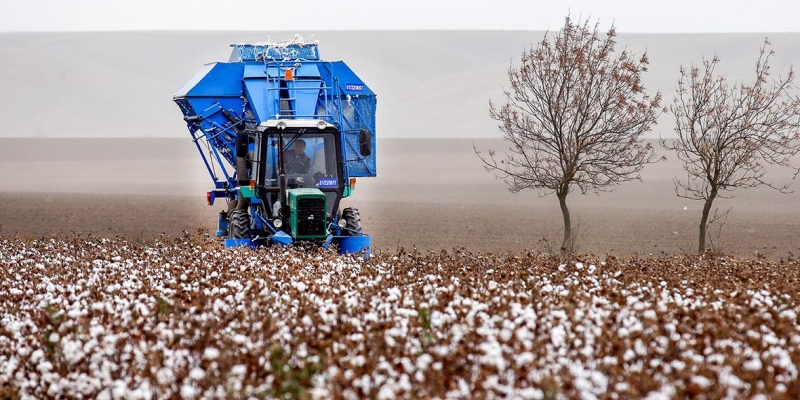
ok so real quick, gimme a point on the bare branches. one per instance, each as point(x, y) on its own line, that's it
point(716, 243)
point(728, 134)
point(574, 114)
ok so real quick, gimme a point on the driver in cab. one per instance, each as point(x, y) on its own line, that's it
point(296, 160)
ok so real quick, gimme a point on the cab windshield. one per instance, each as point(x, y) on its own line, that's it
point(309, 161)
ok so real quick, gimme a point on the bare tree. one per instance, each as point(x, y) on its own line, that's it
point(574, 116)
point(727, 134)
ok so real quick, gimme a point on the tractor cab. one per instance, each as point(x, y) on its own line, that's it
point(300, 175)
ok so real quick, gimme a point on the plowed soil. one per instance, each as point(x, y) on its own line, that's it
point(430, 194)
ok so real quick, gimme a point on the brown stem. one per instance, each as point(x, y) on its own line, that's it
point(562, 201)
point(701, 248)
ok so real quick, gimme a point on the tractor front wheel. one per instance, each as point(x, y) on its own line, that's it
point(238, 224)
point(353, 219)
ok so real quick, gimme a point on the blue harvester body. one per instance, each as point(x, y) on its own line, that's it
point(283, 135)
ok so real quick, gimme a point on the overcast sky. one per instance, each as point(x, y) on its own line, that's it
point(664, 16)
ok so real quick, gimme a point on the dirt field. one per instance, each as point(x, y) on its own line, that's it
point(430, 194)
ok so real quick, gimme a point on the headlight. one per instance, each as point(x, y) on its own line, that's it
point(281, 125)
point(342, 223)
point(278, 223)
point(322, 125)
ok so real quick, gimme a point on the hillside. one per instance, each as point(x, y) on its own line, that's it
point(429, 83)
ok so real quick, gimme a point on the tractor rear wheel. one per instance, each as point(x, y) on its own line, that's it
point(353, 219)
point(238, 224)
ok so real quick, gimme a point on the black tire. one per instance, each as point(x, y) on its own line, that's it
point(353, 219)
point(232, 205)
point(238, 224)
point(241, 171)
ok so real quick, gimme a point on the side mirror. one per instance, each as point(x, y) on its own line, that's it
point(365, 142)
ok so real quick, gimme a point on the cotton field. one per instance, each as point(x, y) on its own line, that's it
point(187, 318)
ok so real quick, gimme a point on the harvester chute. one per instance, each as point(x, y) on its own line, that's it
point(253, 117)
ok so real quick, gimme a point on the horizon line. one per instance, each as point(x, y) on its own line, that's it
point(619, 32)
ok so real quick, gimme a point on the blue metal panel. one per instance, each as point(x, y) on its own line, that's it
point(222, 226)
point(273, 71)
point(262, 101)
point(348, 81)
point(238, 242)
point(195, 79)
point(309, 70)
point(281, 238)
point(214, 80)
point(255, 70)
point(306, 93)
point(355, 244)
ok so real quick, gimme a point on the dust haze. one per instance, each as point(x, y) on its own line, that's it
point(92, 142)
point(430, 84)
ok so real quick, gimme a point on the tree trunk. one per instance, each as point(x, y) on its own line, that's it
point(566, 246)
point(701, 248)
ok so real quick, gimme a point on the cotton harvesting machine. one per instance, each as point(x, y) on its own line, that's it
point(284, 135)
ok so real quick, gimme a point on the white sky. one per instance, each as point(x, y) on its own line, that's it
point(661, 16)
